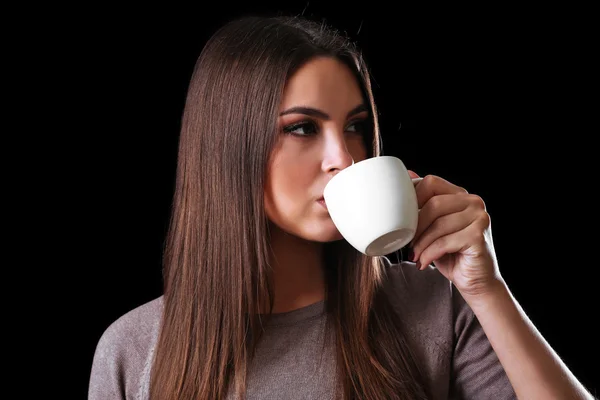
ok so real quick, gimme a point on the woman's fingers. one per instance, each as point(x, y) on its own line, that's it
point(441, 227)
point(432, 186)
point(438, 207)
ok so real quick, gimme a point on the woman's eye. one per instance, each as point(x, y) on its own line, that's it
point(308, 128)
point(301, 129)
point(357, 126)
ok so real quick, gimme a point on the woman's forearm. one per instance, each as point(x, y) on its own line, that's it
point(533, 367)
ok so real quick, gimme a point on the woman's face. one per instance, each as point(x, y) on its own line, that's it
point(322, 121)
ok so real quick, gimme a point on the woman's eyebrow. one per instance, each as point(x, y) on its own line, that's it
point(313, 112)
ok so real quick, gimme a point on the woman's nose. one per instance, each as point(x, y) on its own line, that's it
point(337, 160)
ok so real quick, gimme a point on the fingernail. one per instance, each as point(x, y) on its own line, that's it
point(418, 265)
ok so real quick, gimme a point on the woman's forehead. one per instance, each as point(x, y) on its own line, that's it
point(323, 83)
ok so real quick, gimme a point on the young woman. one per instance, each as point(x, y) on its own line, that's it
point(263, 299)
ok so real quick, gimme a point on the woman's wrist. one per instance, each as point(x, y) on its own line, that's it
point(496, 292)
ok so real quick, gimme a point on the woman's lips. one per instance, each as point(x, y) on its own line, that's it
point(321, 201)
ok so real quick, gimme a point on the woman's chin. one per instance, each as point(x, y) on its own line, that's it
point(327, 235)
point(319, 231)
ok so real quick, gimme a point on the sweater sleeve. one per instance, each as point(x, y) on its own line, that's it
point(476, 370)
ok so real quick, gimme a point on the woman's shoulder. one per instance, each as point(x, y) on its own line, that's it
point(425, 301)
point(445, 333)
point(134, 325)
point(415, 289)
point(124, 351)
point(427, 294)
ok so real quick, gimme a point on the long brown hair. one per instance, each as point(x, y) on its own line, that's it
point(216, 276)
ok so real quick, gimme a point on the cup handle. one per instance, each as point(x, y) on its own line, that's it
point(415, 182)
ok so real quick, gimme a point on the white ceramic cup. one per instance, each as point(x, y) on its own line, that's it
point(373, 203)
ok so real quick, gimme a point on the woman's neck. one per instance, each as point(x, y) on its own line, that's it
point(298, 272)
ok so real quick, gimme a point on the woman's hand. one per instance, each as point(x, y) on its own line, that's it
point(454, 233)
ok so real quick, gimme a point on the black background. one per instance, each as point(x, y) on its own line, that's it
point(493, 100)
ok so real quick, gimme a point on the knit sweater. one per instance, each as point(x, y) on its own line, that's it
point(294, 359)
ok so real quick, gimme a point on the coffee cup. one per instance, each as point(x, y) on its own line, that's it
point(373, 204)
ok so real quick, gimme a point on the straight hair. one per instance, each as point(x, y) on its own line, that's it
point(217, 278)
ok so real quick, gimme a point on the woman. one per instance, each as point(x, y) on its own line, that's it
point(262, 297)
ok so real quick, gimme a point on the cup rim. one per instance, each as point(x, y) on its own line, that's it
point(361, 162)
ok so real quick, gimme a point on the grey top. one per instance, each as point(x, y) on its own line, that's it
point(456, 357)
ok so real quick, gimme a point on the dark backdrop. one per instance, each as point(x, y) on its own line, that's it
point(488, 99)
